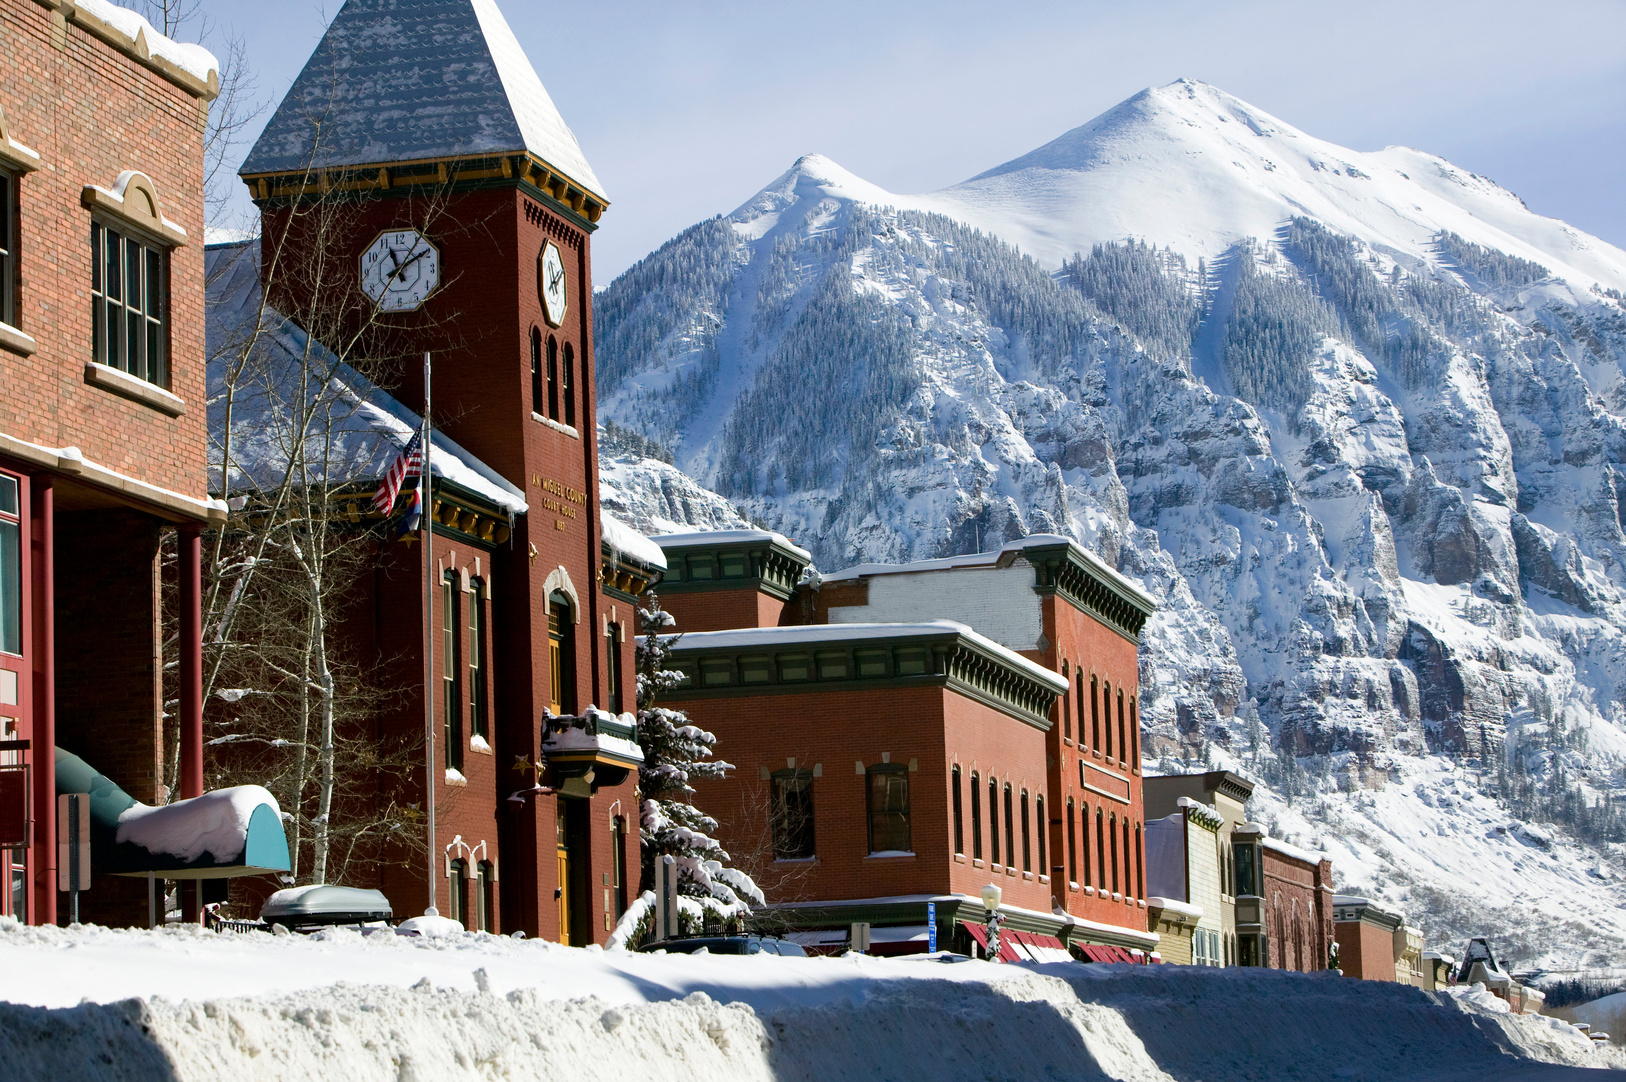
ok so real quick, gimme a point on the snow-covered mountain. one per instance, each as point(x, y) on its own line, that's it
point(1358, 420)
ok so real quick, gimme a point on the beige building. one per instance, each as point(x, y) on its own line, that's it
point(1184, 882)
point(1226, 796)
point(1409, 967)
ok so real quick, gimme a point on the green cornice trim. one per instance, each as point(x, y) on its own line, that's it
point(770, 567)
point(1058, 569)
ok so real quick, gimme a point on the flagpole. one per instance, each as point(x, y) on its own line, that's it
point(425, 514)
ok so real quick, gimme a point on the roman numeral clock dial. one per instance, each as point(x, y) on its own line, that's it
point(550, 283)
point(399, 270)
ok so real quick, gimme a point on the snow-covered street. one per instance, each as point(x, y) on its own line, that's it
point(183, 1004)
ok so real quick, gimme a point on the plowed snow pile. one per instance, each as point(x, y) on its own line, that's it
point(181, 1004)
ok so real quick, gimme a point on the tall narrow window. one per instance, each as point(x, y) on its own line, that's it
point(889, 809)
point(1123, 729)
point(451, 602)
point(553, 378)
point(618, 863)
point(1140, 865)
point(959, 821)
point(1072, 844)
point(1129, 861)
point(561, 655)
point(976, 817)
point(1100, 851)
point(1095, 717)
point(11, 567)
point(567, 385)
point(458, 888)
point(1084, 842)
point(1066, 709)
point(1044, 829)
point(1134, 734)
point(128, 295)
point(485, 896)
point(793, 815)
point(1106, 708)
point(1112, 837)
point(8, 249)
point(479, 623)
point(993, 821)
point(1027, 840)
point(537, 404)
point(1010, 829)
point(612, 667)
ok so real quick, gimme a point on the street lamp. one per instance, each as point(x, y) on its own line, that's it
point(990, 902)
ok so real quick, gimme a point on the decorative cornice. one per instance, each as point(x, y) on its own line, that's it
point(768, 565)
point(133, 202)
point(139, 50)
point(1062, 569)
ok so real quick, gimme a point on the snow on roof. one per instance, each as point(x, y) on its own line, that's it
point(1293, 851)
point(195, 60)
point(984, 560)
point(697, 538)
point(1172, 905)
point(628, 541)
point(408, 80)
point(365, 427)
point(215, 823)
point(779, 637)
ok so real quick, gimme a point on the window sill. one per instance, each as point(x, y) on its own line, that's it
point(996, 867)
point(122, 383)
point(1028, 876)
point(1044, 879)
point(1011, 872)
point(555, 425)
point(977, 862)
point(893, 854)
point(478, 745)
point(959, 858)
point(1072, 886)
point(796, 860)
point(16, 341)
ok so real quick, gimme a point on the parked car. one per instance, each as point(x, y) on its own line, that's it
point(729, 944)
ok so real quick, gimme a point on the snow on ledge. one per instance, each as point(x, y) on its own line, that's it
point(215, 823)
point(694, 538)
point(1171, 905)
point(195, 60)
point(624, 539)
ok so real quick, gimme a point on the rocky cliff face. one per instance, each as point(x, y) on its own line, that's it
point(1371, 459)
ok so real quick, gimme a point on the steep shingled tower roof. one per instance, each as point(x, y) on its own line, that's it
point(414, 80)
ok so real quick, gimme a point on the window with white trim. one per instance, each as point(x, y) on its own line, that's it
point(8, 248)
point(129, 296)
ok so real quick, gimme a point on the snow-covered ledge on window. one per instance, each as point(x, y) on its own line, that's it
point(133, 200)
point(16, 341)
point(129, 386)
point(14, 155)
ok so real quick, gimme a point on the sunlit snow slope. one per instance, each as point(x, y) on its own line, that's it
point(1357, 420)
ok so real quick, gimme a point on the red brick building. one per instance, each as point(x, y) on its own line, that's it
point(467, 214)
point(1063, 774)
point(1284, 903)
point(102, 437)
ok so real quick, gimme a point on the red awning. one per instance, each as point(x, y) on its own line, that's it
point(1041, 948)
point(1106, 955)
point(1007, 946)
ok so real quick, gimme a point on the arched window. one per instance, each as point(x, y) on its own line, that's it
point(479, 652)
point(567, 386)
point(1129, 863)
point(976, 817)
point(1095, 717)
point(561, 655)
point(1027, 840)
point(1100, 851)
point(1066, 709)
point(1078, 693)
point(1106, 704)
point(618, 863)
point(458, 903)
point(451, 641)
point(485, 879)
point(993, 821)
point(537, 404)
point(1134, 734)
point(1123, 729)
point(1112, 836)
point(1072, 844)
point(1010, 828)
point(612, 668)
point(959, 820)
point(1044, 828)
point(553, 378)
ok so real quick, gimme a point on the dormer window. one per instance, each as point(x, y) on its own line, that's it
point(129, 299)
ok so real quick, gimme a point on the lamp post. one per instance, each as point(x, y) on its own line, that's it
point(990, 902)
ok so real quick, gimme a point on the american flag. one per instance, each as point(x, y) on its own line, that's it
point(406, 464)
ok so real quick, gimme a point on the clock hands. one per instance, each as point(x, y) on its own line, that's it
point(401, 267)
point(556, 279)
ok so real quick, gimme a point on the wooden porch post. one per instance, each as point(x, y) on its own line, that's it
point(191, 690)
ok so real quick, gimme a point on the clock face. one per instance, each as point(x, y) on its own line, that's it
point(550, 283)
point(399, 270)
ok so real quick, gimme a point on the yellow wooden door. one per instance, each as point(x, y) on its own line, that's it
point(564, 875)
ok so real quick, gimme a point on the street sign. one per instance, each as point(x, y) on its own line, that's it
point(931, 927)
point(73, 848)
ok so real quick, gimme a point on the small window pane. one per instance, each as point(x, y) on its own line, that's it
point(700, 567)
point(96, 258)
point(911, 662)
point(11, 588)
point(755, 670)
point(871, 662)
point(793, 667)
point(8, 496)
point(715, 673)
point(833, 667)
point(114, 292)
point(134, 363)
point(115, 334)
point(734, 567)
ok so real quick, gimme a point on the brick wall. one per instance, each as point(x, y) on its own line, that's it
point(91, 112)
point(720, 610)
point(1297, 918)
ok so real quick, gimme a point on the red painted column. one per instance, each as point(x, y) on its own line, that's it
point(42, 566)
point(191, 689)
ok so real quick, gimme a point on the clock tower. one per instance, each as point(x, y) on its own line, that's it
point(420, 193)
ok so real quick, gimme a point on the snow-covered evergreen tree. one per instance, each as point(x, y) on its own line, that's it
point(675, 752)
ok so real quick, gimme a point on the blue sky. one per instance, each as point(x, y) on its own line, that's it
point(685, 110)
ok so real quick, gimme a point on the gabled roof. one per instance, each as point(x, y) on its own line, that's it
point(411, 80)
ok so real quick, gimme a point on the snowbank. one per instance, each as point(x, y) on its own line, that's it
point(186, 1004)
